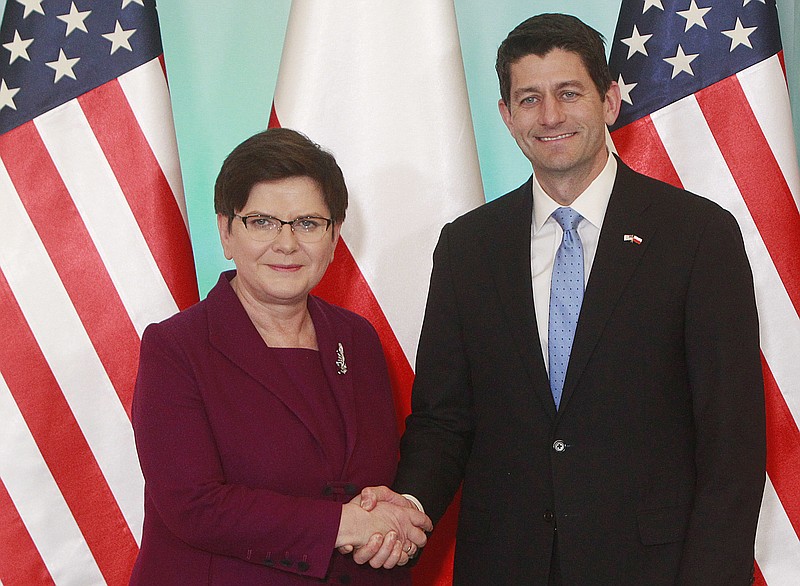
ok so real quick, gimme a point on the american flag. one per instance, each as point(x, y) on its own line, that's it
point(94, 247)
point(706, 107)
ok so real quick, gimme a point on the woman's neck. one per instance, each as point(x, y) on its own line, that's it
point(280, 325)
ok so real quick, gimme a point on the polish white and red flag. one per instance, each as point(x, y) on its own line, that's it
point(706, 107)
point(381, 85)
point(94, 247)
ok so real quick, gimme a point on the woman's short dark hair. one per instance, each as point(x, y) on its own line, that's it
point(278, 153)
point(541, 34)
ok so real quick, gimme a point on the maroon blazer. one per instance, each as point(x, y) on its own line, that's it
point(237, 486)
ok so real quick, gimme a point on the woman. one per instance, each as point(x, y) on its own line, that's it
point(261, 411)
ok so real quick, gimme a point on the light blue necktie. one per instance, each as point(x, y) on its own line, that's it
point(566, 296)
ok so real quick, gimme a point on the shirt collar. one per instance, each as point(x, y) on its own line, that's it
point(591, 204)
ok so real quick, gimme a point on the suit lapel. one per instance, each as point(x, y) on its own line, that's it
point(515, 286)
point(614, 264)
point(233, 334)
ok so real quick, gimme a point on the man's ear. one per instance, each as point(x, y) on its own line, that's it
point(505, 113)
point(613, 103)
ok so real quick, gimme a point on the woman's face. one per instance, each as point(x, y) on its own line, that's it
point(284, 270)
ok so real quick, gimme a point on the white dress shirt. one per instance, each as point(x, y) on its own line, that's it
point(546, 236)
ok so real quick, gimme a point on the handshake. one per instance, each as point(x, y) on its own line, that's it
point(382, 528)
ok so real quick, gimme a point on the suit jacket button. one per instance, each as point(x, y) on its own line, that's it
point(303, 566)
point(559, 445)
point(548, 516)
point(286, 562)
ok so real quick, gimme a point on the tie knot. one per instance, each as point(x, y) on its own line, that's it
point(567, 218)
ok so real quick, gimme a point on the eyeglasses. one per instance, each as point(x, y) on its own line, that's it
point(306, 229)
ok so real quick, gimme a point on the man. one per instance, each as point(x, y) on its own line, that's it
point(628, 449)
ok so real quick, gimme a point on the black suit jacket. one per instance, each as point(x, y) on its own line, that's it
point(653, 467)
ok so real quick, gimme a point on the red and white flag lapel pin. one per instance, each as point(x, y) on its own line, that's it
point(632, 238)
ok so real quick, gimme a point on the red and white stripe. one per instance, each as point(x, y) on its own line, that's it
point(732, 142)
point(95, 247)
point(382, 86)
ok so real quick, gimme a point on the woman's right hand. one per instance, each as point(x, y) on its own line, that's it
point(396, 530)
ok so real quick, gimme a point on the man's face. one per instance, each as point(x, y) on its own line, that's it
point(558, 118)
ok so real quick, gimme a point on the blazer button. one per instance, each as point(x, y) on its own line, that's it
point(303, 566)
point(559, 445)
point(548, 516)
point(286, 562)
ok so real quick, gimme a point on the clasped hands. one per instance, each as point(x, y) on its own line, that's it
point(382, 528)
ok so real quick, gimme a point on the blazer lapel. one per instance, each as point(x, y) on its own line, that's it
point(331, 333)
point(515, 286)
point(233, 334)
point(616, 259)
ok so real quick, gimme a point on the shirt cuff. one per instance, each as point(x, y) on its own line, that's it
point(414, 501)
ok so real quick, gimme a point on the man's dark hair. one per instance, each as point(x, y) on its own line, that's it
point(278, 153)
point(541, 34)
